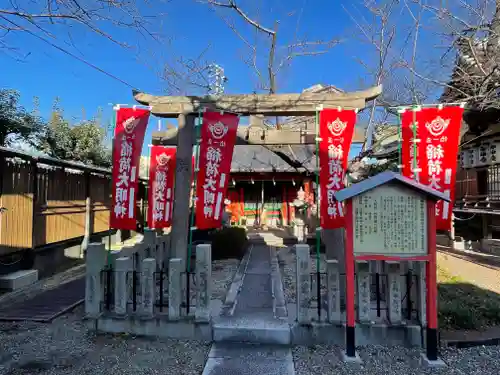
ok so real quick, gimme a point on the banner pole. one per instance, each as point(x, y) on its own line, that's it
point(108, 256)
point(192, 216)
point(415, 164)
point(318, 233)
point(400, 143)
point(146, 192)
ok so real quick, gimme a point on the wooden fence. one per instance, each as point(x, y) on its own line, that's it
point(45, 201)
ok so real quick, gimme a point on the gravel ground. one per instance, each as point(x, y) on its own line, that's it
point(66, 347)
point(222, 275)
point(287, 260)
point(320, 360)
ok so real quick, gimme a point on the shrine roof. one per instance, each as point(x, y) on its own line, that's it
point(386, 178)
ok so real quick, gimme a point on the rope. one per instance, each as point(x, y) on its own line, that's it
point(469, 218)
point(196, 161)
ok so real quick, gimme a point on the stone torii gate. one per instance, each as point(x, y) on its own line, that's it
point(186, 108)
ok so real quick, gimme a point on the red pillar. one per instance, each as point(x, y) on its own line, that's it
point(284, 206)
point(350, 285)
point(432, 316)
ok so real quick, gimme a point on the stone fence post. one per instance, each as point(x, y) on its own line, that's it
point(363, 292)
point(422, 293)
point(303, 283)
point(174, 288)
point(148, 289)
point(333, 290)
point(150, 242)
point(203, 282)
point(123, 267)
point(394, 292)
point(95, 261)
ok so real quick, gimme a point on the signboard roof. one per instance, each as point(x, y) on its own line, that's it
point(384, 178)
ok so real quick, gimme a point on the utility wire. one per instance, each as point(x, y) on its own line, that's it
point(69, 53)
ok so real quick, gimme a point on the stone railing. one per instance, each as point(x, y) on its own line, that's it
point(142, 290)
point(392, 301)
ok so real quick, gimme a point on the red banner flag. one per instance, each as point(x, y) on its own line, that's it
point(161, 186)
point(218, 136)
point(336, 128)
point(438, 136)
point(127, 145)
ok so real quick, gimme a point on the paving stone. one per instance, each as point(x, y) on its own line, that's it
point(243, 359)
point(249, 351)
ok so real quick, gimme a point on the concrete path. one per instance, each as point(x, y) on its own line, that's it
point(473, 267)
point(249, 359)
point(252, 340)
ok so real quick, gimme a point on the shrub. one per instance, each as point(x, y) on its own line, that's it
point(228, 243)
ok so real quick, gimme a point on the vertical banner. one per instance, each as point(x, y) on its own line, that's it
point(218, 136)
point(161, 186)
point(127, 146)
point(336, 128)
point(438, 137)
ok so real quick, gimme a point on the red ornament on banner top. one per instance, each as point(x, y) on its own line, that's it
point(336, 128)
point(161, 186)
point(438, 137)
point(218, 136)
point(127, 145)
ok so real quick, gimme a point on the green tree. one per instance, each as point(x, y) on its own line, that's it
point(16, 124)
point(83, 142)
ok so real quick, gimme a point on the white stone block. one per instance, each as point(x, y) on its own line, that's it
point(18, 279)
point(148, 286)
point(122, 271)
point(394, 292)
point(174, 288)
point(363, 291)
point(303, 283)
point(422, 293)
point(95, 261)
point(203, 282)
point(333, 290)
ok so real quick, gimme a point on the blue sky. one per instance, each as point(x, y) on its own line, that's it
point(191, 28)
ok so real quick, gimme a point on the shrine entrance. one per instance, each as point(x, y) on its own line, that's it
point(255, 301)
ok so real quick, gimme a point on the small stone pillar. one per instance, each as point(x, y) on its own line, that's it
point(363, 292)
point(422, 293)
point(139, 255)
point(303, 283)
point(333, 291)
point(394, 292)
point(150, 242)
point(95, 261)
point(203, 282)
point(122, 268)
point(148, 286)
point(174, 288)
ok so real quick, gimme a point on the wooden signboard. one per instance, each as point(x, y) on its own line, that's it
point(390, 220)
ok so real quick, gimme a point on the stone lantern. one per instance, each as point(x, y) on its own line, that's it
point(299, 221)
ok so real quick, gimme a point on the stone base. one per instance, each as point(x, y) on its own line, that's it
point(186, 329)
point(356, 360)
point(252, 332)
point(427, 363)
point(18, 279)
point(366, 334)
